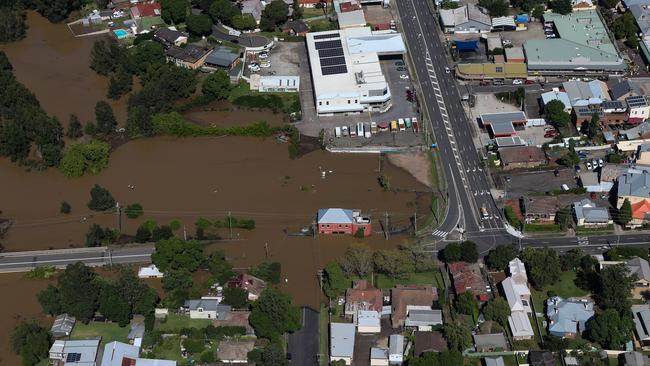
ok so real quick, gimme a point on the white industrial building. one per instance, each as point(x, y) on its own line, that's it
point(346, 71)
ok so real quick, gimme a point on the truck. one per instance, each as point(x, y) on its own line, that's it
point(337, 132)
point(414, 121)
point(393, 126)
point(360, 129)
point(373, 127)
point(402, 126)
point(366, 130)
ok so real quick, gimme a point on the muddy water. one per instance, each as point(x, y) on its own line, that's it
point(54, 66)
point(206, 177)
point(19, 304)
point(223, 114)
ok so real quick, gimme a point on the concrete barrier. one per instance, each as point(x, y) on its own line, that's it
point(36, 253)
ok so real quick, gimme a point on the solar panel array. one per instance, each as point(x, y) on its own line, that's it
point(325, 36)
point(636, 101)
point(330, 53)
point(73, 357)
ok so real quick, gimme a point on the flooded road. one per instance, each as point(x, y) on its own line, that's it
point(54, 66)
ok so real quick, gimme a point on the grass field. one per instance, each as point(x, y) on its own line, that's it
point(108, 331)
point(176, 322)
point(564, 288)
point(432, 278)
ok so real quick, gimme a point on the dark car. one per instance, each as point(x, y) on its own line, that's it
point(401, 69)
point(399, 63)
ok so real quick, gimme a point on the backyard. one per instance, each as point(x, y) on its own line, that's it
point(432, 277)
point(564, 288)
point(108, 331)
point(176, 322)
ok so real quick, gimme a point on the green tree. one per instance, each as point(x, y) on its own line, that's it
point(611, 330)
point(12, 24)
point(496, 8)
point(74, 127)
point(97, 237)
point(555, 114)
point(452, 253)
point(273, 355)
point(138, 122)
point(459, 337)
point(244, 22)
point(80, 158)
point(100, 199)
point(147, 55)
point(624, 27)
point(113, 306)
point(538, 11)
point(590, 128)
point(235, 297)
point(106, 55)
point(543, 266)
point(468, 252)
point(393, 263)
point(143, 234)
point(335, 281)
point(419, 256)
point(273, 15)
point(162, 233)
point(174, 11)
point(120, 83)
point(466, 303)
point(50, 300)
point(616, 284)
point(499, 257)
point(624, 213)
point(105, 118)
point(177, 279)
point(134, 210)
point(175, 253)
point(498, 310)
point(65, 207)
point(79, 291)
point(223, 11)
point(219, 267)
point(199, 25)
point(268, 271)
point(357, 260)
point(561, 6)
point(217, 85)
point(273, 315)
point(31, 342)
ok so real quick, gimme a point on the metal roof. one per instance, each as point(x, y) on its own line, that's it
point(587, 210)
point(568, 315)
point(423, 318)
point(556, 95)
point(396, 344)
point(502, 123)
point(641, 315)
point(335, 216)
point(115, 351)
point(494, 361)
point(342, 339)
point(509, 141)
point(494, 340)
point(222, 56)
point(519, 323)
point(368, 318)
point(377, 353)
point(635, 184)
point(640, 267)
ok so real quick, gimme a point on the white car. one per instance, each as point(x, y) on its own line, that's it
point(263, 56)
point(265, 64)
point(594, 163)
point(589, 167)
point(404, 77)
point(517, 82)
point(255, 68)
point(600, 163)
point(253, 65)
point(447, 70)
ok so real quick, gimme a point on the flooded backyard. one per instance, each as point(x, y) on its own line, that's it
point(186, 179)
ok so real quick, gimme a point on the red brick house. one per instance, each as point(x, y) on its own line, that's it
point(342, 221)
point(253, 285)
point(362, 296)
point(468, 277)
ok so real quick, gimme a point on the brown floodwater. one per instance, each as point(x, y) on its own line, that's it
point(223, 114)
point(54, 66)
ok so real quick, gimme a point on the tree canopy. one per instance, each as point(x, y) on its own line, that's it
point(499, 257)
point(217, 85)
point(611, 330)
point(444, 358)
point(624, 213)
point(555, 114)
point(12, 24)
point(81, 158)
point(497, 8)
point(392, 262)
point(199, 25)
point(175, 253)
point(498, 310)
point(100, 199)
point(174, 11)
point(223, 11)
point(466, 303)
point(273, 315)
point(543, 266)
point(219, 267)
point(273, 15)
point(106, 55)
point(30, 341)
point(616, 284)
point(561, 6)
point(105, 118)
point(334, 282)
point(79, 291)
point(57, 10)
point(357, 260)
point(459, 337)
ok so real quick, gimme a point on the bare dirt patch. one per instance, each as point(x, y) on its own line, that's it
point(416, 163)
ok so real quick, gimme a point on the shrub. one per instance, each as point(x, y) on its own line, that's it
point(81, 158)
point(65, 207)
point(134, 210)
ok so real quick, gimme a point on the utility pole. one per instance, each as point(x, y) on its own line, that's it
point(386, 224)
point(184, 232)
point(266, 250)
point(118, 211)
point(230, 224)
point(415, 222)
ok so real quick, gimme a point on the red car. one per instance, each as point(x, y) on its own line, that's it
point(550, 134)
point(484, 82)
point(528, 82)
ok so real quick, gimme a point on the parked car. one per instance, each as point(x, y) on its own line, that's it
point(507, 42)
point(550, 134)
point(517, 82)
point(265, 64)
point(594, 163)
point(589, 167)
point(344, 131)
point(255, 68)
point(401, 124)
point(528, 82)
point(484, 82)
point(263, 56)
point(577, 168)
point(600, 163)
point(447, 70)
point(253, 64)
point(353, 131)
point(404, 77)
point(401, 69)
point(373, 127)
point(337, 132)
point(399, 63)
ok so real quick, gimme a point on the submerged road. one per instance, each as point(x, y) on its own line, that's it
point(99, 256)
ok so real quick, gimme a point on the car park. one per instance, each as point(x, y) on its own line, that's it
point(600, 163)
point(401, 69)
point(399, 63)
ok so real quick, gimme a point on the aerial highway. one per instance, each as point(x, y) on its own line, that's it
point(98, 256)
point(471, 208)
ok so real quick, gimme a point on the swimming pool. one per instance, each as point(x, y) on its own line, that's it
point(120, 33)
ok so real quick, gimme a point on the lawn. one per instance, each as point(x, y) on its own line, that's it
point(176, 322)
point(108, 331)
point(323, 331)
point(564, 288)
point(169, 349)
point(432, 278)
point(311, 13)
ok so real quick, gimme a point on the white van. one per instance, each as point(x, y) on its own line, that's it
point(360, 129)
point(337, 132)
point(366, 130)
point(401, 124)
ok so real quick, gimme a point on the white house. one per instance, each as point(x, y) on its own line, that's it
point(207, 309)
point(342, 342)
point(150, 272)
point(367, 321)
point(396, 349)
point(518, 295)
point(638, 108)
point(378, 356)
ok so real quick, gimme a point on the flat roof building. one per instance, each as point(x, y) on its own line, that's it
point(342, 342)
point(503, 124)
point(468, 18)
point(583, 46)
point(81, 353)
point(346, 72)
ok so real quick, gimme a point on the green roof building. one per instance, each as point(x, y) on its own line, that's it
point(583, 46)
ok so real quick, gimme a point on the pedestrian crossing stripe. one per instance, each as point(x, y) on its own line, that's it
point(439, 233)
